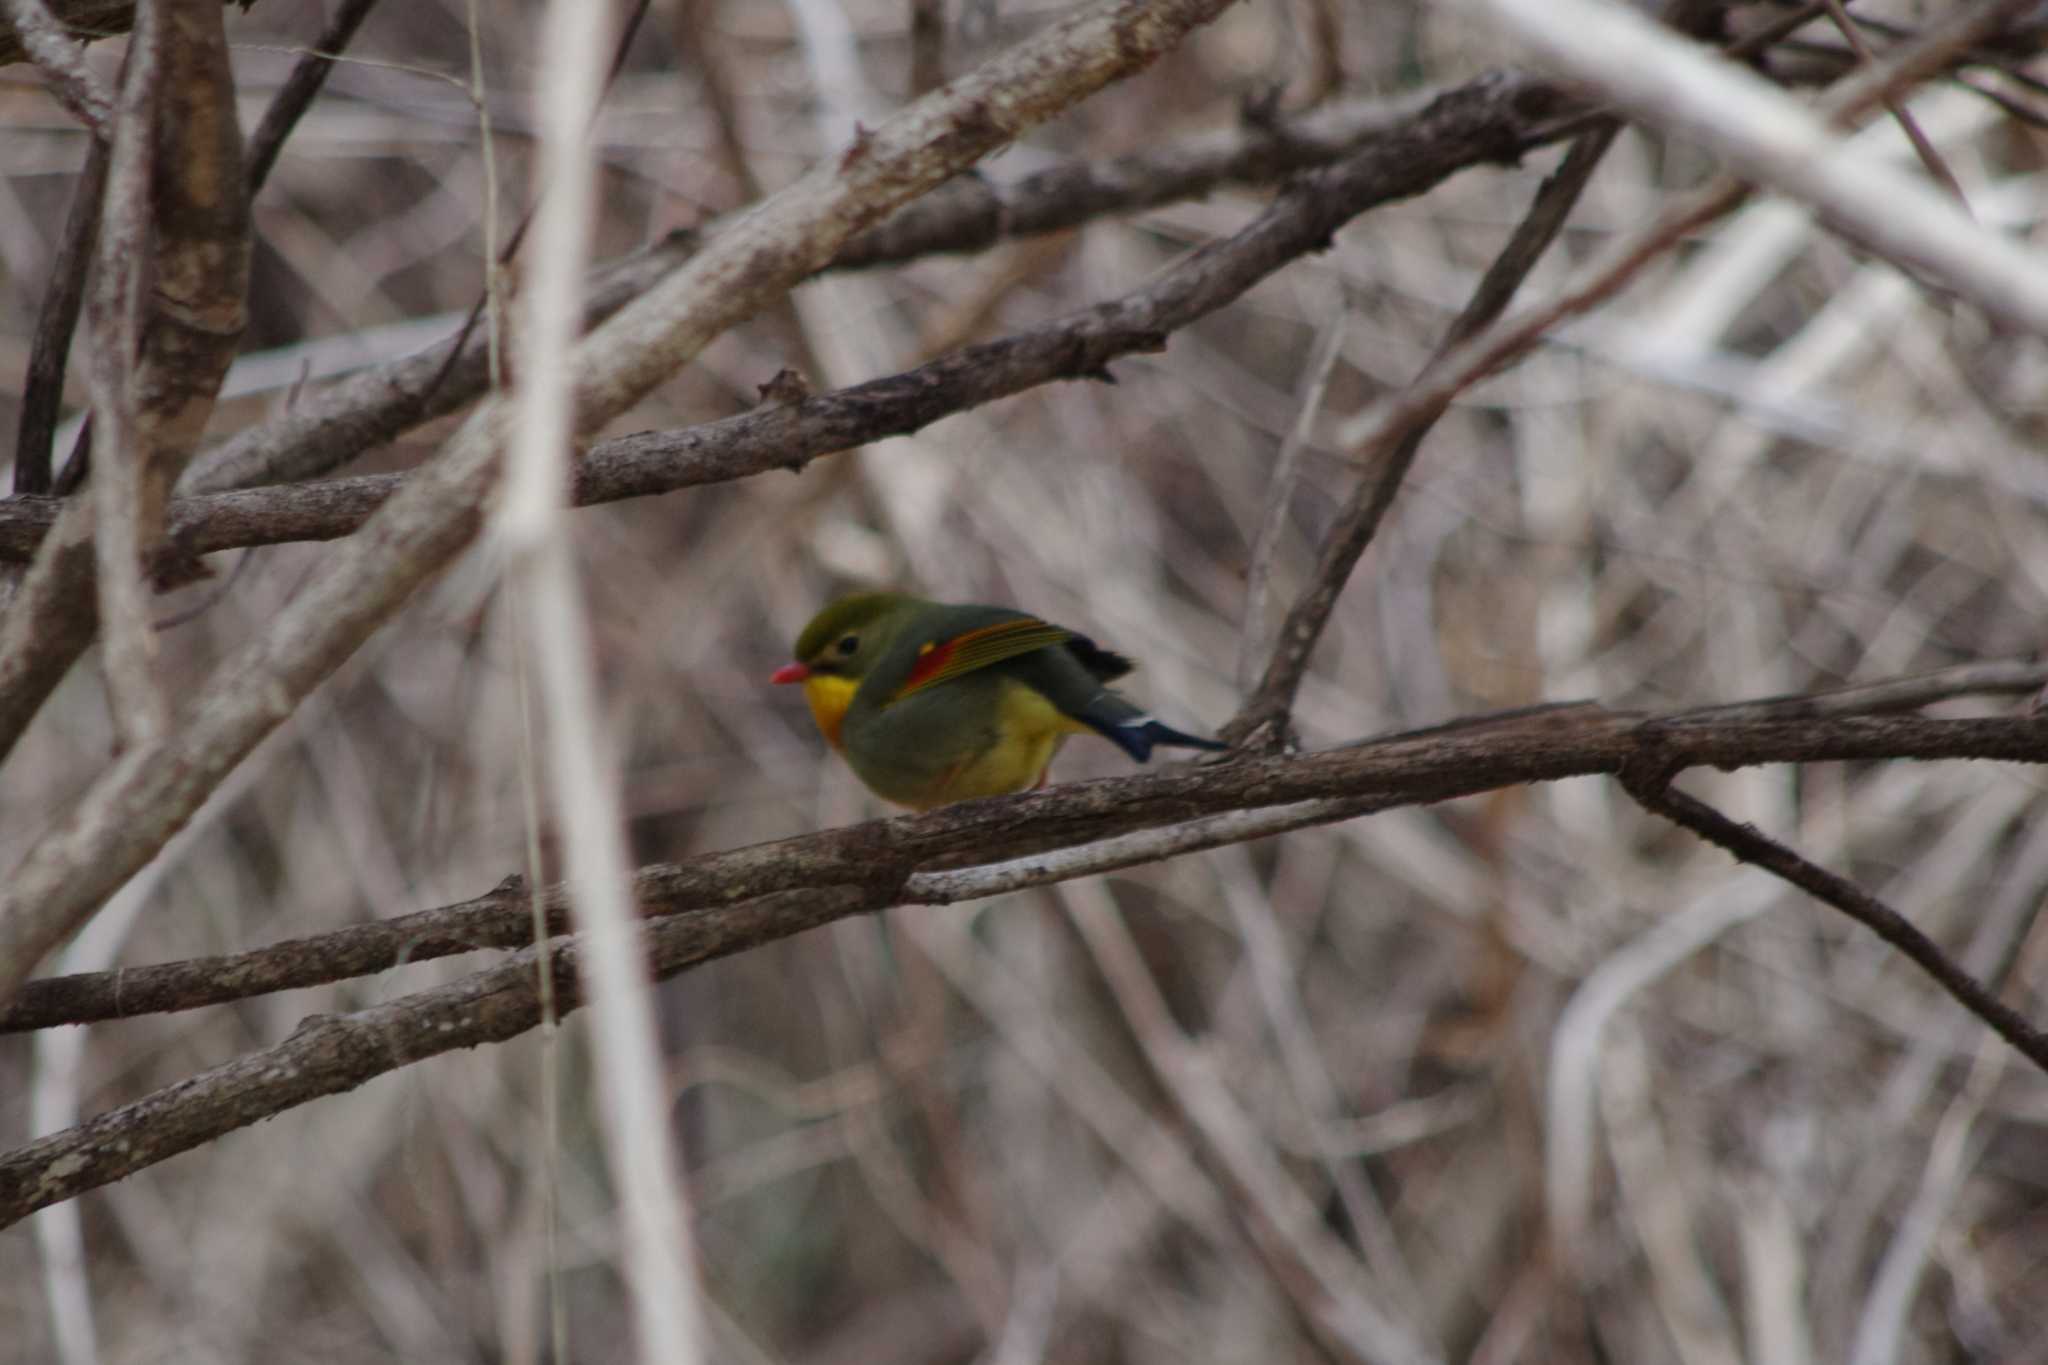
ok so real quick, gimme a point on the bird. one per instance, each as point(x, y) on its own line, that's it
point(935, 702)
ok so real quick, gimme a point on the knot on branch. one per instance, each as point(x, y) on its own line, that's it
point(1647, 774)
point(1260, 730)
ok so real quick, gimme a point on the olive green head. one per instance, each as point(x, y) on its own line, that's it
point(845, 639)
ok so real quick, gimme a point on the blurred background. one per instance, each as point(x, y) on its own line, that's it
point(1527, 1077)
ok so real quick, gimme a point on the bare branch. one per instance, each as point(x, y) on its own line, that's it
point(330, 1054)
point(1484, 120)
point(300, 89)
point(1263, 718)
point(62, 60)
point(659, 1260)
point(149, 792)
point(122, 524)
point(1651, 789)
point(1923, 147)
point(1080, 832)
point(728, 902)
point(42, 397)
point(329, 427)
point(1770, 138)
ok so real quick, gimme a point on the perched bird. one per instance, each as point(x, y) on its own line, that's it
point(931, 702)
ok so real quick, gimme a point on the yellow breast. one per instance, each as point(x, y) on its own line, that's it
point(1029, 732)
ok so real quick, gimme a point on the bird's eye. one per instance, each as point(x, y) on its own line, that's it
point(847, 645)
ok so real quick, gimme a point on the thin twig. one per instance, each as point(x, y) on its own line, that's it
point(1650, 786)
point(42, 397)
point(456, 348)
point(1992, 678)
point(1262, 720)
point(300, 89)
point(80, 90)
point(1901, 115)
point(1255, 637)
point(1322, 1281)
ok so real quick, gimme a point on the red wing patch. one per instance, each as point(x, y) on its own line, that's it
point(964, 653)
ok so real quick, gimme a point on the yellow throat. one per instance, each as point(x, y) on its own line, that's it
point(829, 697)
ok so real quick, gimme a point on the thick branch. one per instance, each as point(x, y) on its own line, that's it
point(198, 268)
point(1434, 765)
point(124, 519)
point(727, 902)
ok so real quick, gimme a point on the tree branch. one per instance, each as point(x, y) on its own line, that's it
point(1652, 791)
point(151, 790)
point(62, 60)
point(86, 19)
point(1767, 137)
point(42, 396)
point(1487, 119)
point(123, 519)
point(328, 427)
point(300, 89)
point(198, 272)
point(1406, 769)
point(727, 902)
point(1262, 720)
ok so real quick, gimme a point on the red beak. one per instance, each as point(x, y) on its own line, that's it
point(789, 673)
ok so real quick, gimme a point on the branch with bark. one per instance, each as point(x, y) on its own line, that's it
point(1491, 119)
point(729, 902)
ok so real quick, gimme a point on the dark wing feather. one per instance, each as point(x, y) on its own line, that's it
point(1106, 664)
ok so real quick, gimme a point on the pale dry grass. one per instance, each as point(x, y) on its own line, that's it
point(1435, 1039)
